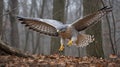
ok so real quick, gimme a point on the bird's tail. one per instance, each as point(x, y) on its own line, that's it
point(84, 40)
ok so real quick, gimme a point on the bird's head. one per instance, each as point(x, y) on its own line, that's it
point(62, 29)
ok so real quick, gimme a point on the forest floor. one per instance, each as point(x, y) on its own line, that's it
point(57, 61)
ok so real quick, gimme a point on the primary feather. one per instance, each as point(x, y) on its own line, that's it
point(45, 26)
point(90, 19)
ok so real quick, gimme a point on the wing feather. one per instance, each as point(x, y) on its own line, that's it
point(45, 26)
point(91, 19)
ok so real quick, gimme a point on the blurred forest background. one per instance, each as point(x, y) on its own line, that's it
point(106, 32)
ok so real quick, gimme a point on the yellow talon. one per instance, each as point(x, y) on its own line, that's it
point(61, 47)
point(70, 43)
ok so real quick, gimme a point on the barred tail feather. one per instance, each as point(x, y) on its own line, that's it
point(84, 40)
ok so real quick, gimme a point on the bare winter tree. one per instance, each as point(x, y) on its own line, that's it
point(58, 14)
point(14, 27)
point(94, 49)
point(1, 17)
point(66, 11)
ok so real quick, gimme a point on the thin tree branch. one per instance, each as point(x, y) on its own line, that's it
point(9, 11)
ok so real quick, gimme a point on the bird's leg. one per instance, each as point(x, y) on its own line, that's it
point(62, 45)
point(70, 43)
point(73, 39)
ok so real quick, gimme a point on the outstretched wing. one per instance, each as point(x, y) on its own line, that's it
point(89, 20)
point(45, 26)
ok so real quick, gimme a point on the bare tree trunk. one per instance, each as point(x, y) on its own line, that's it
point(30, 35)
point(1, 21)
point(58, 14)
point(112, 35)
point(95, 48)
point(14, 27)
point(58, 10)
point(38, 44)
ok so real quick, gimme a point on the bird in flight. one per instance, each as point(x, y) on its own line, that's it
point(70, 32)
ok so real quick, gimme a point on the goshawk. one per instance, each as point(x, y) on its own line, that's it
point(71, 32)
